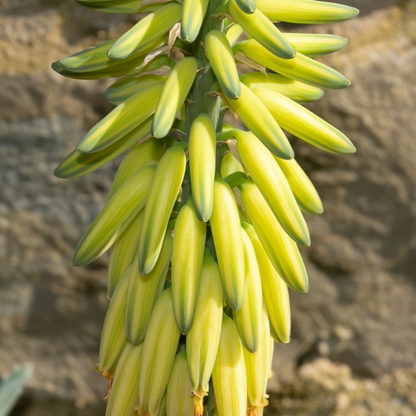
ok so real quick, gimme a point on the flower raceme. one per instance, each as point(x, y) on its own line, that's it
point(203, 219)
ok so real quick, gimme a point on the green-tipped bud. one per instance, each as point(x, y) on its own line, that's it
point(112, 6)
point(114, 218)
point(233, 34)
point(304, 124)
point(193, 13)
point(306, 11)
point(146, 31)
point(113, 335)
point(144, 154)
point(202, 161)
point(254, 114)
point(93, 63)
point(125, 386)
point(127, 87)
point(226, 231)
point(163, 193)
point(313, 44)
point(247, 6)
point(203, 339)
point(295, 90)
point(123, 253)
point(258, 369)
point(275, 292)
point(179, 392)
point(273, 185)
point(142, 294)
point(230, 165)
point(187, 256)
point(263, 30)
point(159, 350)
point(173, 95)
point(78, 164)
point(248, 318)
point(229, 375)
point(305, 193)
point(280, 248)
point(300, 68)
point(222, 62)
point(122, 120)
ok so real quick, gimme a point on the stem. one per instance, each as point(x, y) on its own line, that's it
point(200, 100)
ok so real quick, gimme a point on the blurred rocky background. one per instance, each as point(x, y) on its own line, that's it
point(354, 335)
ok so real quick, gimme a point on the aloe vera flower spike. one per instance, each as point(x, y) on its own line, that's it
point(204, 219)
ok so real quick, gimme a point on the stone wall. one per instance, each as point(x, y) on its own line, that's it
point(352, 350)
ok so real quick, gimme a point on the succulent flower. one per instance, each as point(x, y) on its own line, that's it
point(204, 218)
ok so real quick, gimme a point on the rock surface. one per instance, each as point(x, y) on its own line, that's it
point(352, 349)
point(324, 388)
